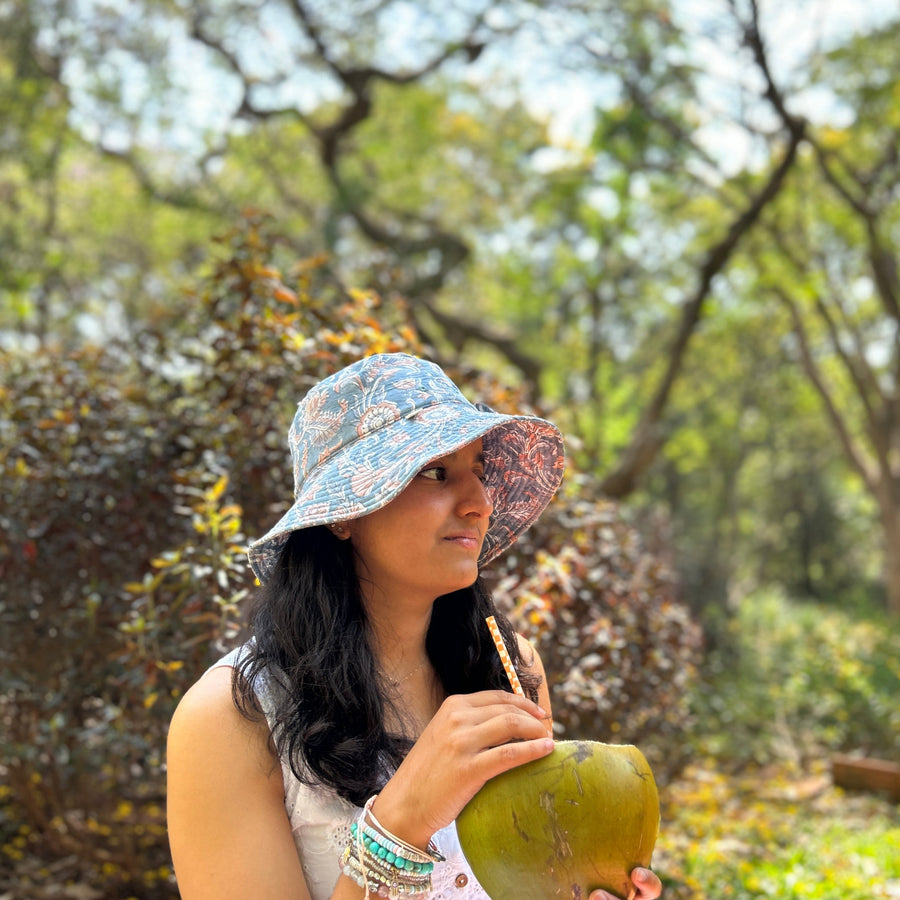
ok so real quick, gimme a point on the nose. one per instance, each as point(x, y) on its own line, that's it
point(475, 499)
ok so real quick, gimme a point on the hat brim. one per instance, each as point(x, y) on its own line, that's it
point(523, 461)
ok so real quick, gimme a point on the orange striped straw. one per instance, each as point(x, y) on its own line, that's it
point(504, 655)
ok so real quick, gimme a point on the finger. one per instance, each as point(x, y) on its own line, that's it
point(487, 729)
point(647, 883)
point(498, 714)
point(461, 715)
point(505, 698)
point(505, 726)
point(495, 760)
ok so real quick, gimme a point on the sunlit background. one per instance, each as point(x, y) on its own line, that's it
point(671, 227)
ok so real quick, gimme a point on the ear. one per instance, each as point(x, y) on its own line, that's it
point(341, 530)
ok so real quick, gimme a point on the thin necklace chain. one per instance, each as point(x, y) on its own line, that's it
point(396, 682)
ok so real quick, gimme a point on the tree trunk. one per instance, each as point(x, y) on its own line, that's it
point(890, 518)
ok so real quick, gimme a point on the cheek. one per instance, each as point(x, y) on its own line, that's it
point(378, 538)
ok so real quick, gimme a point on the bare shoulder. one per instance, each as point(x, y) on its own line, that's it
point(531, 660)
point(206, 700)
point(210, 694)
point(207, 724)
point(228, 830)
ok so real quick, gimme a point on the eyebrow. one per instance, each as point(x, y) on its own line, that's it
point(479, 458)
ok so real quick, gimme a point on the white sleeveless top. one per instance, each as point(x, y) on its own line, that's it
point(320, 822)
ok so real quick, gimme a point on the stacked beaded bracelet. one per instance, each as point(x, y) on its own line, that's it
point(382, 863)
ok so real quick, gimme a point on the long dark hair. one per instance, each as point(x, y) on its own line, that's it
point(311, 635)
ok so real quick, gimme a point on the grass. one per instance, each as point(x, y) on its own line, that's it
point(772, 832)
point(756, 815)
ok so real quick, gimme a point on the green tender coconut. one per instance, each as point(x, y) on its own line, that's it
point(560, 827)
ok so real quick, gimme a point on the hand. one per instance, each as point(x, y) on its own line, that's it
point(646, 887)
point(471, 738)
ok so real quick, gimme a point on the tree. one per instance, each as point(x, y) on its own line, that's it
point(835, 273)
point(34, 107)
point(755, 490)
point(425, 170)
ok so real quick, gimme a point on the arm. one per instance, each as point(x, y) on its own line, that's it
point(229, 833)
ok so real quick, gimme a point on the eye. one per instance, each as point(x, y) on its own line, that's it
point(435, 473)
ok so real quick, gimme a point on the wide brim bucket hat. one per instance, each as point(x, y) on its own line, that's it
point(361, 435)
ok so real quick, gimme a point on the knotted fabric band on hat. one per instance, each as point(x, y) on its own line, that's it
point(361, 435)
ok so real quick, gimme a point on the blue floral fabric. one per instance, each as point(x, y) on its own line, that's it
point(361, 435)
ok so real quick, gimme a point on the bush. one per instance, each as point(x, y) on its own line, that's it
point(798, 681)
point(130, 475)
point(620, 651)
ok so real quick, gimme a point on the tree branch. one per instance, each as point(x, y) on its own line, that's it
point(862, 378)
point(852, 451)
point(184, 198)
point(641, 99)
point(884, 266)
point(459, 330)
point(856, 365)
point(754, 41)
point(647, 437)
point(358, 80)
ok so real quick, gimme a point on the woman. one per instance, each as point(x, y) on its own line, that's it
point(330, 755)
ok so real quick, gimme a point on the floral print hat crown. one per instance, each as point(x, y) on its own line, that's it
point(361, 435)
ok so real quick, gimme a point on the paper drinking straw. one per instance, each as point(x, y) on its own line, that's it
point(504, 655)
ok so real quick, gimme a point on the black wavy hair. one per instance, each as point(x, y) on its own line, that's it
point(312, 635)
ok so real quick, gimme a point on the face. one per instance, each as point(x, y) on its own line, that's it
point(427, 541)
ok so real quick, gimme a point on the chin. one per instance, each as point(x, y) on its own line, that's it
point(461, 583)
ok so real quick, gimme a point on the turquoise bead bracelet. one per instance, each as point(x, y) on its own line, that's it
point(383, 864)
point(387, 850)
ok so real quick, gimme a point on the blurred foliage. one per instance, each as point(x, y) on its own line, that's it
point(130, 476)
point(755, 814)
point(558, 253)
point(619, 649)
point(800, 680)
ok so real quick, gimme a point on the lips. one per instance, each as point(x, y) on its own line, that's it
point(468, 540)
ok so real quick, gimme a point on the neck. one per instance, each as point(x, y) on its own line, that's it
point(399, 625)
point(398, 631)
